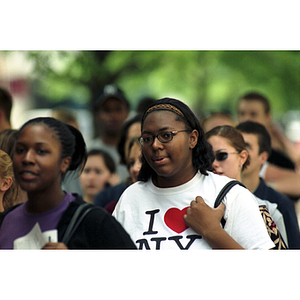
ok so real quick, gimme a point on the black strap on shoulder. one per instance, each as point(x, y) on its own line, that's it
point(75, 221)
point(225, 190)
point(222, 194)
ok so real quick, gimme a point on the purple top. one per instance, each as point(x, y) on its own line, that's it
point(19, 222)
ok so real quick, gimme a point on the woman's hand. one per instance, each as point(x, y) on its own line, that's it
point(202, 218)
point(205, 220)
point(55, 246)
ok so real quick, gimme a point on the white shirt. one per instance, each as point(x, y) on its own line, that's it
point(153, 216)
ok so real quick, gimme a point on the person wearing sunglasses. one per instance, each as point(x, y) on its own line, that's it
point(174, 180)
point(258, 143)
point(231, 158)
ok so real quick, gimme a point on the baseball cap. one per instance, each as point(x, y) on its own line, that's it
point(110, 91)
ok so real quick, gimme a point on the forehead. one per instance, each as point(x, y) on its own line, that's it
point(161, 119)
point(112, 103)
point(95, 159)
point(250, 138)
point(39, 133)
point(219, 142)
point(251, 105)
point(134, 130)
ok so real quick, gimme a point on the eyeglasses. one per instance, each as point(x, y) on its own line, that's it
point(163, 137)
point(221, 156)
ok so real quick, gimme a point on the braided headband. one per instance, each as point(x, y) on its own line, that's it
point(164, 107)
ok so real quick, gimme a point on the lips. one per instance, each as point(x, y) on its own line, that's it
point(27, 175)
point(159, 159)
point(218, 173)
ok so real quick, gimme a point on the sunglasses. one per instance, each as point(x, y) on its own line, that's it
point(221, 156)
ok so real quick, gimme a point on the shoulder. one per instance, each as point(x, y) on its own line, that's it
point(9, 210)
point(111, 193)
point(266, 192)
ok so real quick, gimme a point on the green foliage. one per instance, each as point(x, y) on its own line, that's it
point(206, 80)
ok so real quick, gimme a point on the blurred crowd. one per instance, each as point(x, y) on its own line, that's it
point(37, 178)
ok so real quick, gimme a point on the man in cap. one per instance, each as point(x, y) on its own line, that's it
point(111, 109)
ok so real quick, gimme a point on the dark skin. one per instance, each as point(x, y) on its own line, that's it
point(172, 163)
point(39, 168)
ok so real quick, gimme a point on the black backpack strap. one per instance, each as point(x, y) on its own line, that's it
point(76, 220)
point(222, 194)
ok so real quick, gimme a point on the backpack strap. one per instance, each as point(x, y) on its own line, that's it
point(223, 193)
point(75, 221)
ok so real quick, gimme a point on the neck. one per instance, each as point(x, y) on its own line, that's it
point(168, 182)
point(1, 204)
point(42, 201)
point(88, 198)
point(5, 125)
point(251, 182)
point(111, 140)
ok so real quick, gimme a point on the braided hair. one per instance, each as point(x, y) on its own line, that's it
point(71, 139)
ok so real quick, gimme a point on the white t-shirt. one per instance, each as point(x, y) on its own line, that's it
point(154, 216)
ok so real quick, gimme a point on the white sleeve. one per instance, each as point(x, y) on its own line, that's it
point(243, 220)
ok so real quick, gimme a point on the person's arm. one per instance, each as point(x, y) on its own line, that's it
point(285, 144)
point(206, 221)
point(283, 180)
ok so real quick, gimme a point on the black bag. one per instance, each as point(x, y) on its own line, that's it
point(76, 220)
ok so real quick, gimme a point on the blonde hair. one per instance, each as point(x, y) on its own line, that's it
point(6, 171)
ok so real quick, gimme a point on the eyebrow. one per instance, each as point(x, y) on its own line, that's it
point(161, 129)
point(36, 144)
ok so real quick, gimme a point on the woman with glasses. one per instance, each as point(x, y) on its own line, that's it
point(231, 158)
point(174, 177)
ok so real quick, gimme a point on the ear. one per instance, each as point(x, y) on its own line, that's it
point(268, 118)
point(6, 184)
point(193, 139)
point(65, 164)
point(263, 157)
point(2, 116)
point(243, 157)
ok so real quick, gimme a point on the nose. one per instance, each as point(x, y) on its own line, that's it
point(29, 157)
point(156, 143)
point(215, 164)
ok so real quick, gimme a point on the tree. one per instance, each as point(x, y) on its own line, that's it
point(206, 80)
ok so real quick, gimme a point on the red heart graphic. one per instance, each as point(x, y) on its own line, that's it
point(174, 219)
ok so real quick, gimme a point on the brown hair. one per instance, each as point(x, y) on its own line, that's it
point(233, 136)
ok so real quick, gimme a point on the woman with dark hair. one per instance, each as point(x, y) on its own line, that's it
point(46, 149)
point(175, 175)
point(130, 130)
point(133, 166)
point(98, 173)
point(231, 158)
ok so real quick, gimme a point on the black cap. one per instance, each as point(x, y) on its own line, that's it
point(110, 91)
